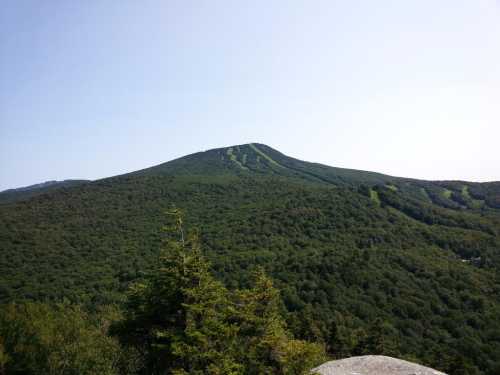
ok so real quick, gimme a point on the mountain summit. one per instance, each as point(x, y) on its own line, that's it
point(260, 159)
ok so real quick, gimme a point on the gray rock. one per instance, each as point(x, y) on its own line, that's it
point(373, 365)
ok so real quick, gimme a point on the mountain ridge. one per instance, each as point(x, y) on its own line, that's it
point(260, 159)
point(263, 148)
point(355, 256)
point(246, 159)
point(256, 159)
point(25, 192)
point(240, 158)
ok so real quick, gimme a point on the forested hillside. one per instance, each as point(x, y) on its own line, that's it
point(13, 195)
point(365, 263)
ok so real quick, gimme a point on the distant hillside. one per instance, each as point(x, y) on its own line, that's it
point(259, 159)
point(12, 195)
point(366, 263)
point(256, 159)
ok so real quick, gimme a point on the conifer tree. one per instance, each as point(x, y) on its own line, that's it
point(183, 321)
point(177, 317)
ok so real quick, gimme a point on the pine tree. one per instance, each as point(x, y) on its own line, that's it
point(177, 317)
point(268, 346)
point(183, 321)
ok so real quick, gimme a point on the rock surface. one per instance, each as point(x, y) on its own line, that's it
point(373, 365)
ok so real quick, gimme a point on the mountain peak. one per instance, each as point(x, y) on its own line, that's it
point(258, 159)
point(245, 158)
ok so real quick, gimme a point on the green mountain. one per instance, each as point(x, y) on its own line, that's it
point(259, 159)
point(366, 263)
point(12, 195)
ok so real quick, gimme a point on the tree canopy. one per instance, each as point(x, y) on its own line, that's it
point(183, 321)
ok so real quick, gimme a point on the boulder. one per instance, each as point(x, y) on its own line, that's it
point(373, 365)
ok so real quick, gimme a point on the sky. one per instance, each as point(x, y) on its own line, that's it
point(91, 89)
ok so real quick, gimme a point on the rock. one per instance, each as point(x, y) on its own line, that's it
point(373, 365)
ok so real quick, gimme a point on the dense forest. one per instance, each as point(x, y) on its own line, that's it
point(177, 320)
point(364, 263)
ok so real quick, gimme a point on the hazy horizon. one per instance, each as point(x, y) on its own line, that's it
point(93, 89)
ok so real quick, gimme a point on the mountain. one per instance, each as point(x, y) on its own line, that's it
point(366, 263)
point(259, 159)
point(12, 195)
point(255, 159)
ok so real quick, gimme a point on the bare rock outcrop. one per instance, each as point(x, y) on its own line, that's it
point(373, 365)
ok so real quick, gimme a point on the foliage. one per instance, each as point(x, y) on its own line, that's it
point(36, 338)
point(13, 195)
point(183, 321)
point(425, 265)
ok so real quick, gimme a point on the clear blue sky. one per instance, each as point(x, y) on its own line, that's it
point(91, 89)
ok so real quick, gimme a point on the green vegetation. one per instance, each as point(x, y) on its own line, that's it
point(415, 276)
point(38, 338)
point(234, 159)
point(266, 157)
point(425, 196)
point(465, 192)
point(13, 195)
point(374, 196)
point(178, 320)
point(447, 193)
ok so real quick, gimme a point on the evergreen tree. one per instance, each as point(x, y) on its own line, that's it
point(177, 318)
point(267, 346)
point(183, 321)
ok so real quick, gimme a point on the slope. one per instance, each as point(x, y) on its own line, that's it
point(13, 195)
point(341, 258)
point(258, 159)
